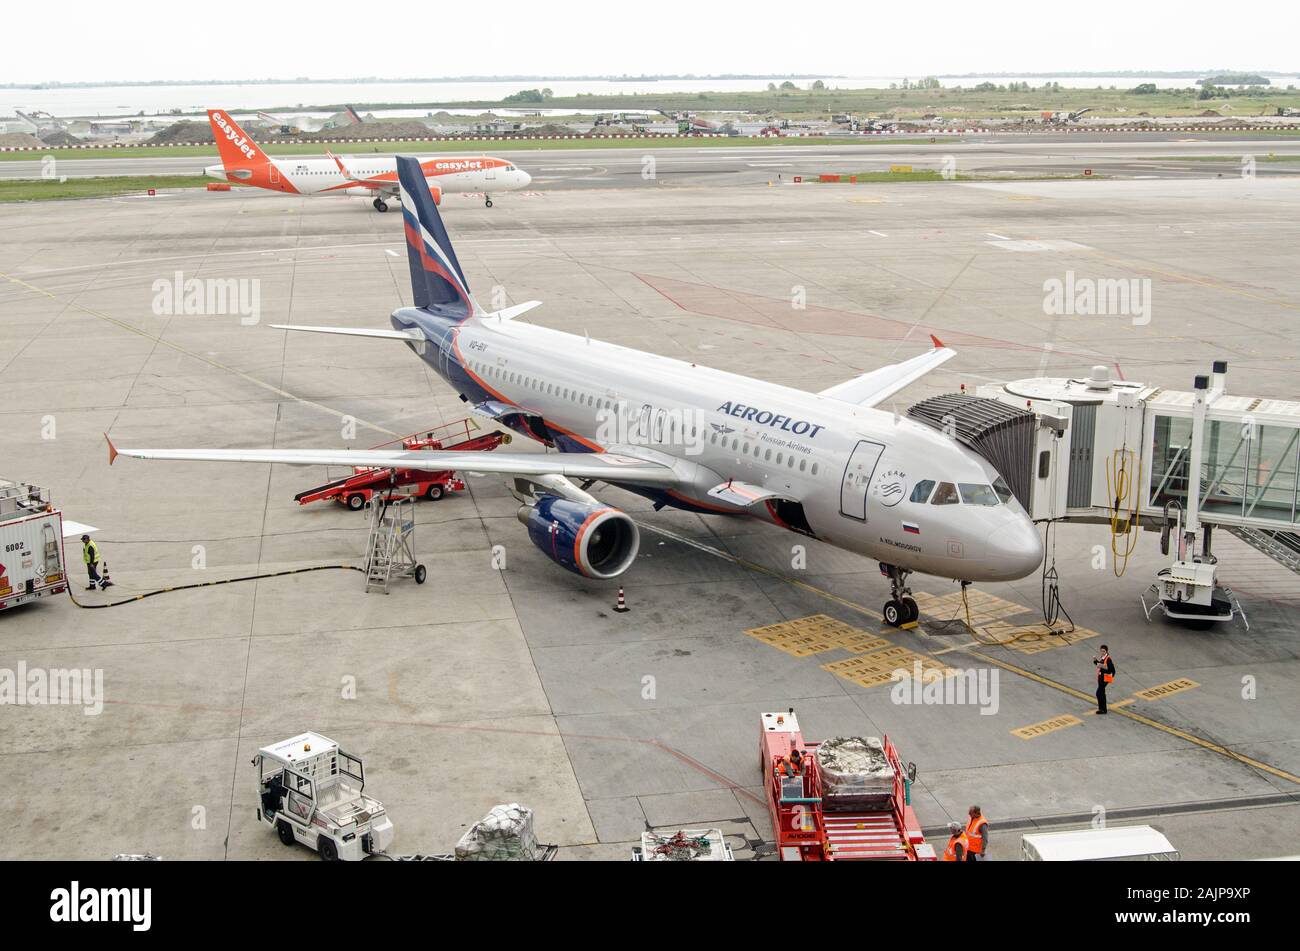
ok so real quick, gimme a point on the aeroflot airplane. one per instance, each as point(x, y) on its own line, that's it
point(825, 464)
point(244, 163)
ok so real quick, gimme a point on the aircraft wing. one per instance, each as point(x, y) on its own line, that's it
point(878, 385)
point(604, 466)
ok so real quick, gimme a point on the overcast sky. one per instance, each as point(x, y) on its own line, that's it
point(73, 40)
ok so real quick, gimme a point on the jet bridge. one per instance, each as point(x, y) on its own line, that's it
point(1139, 456)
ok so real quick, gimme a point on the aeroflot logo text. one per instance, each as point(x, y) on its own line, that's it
point(77, 904)
point(238, 141)
point(799, 427)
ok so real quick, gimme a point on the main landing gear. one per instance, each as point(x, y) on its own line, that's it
point(487, 201)
point(380, 204)
point(901, 608)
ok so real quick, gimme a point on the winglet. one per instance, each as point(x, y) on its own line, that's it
point(938, 344)
point(112, 450)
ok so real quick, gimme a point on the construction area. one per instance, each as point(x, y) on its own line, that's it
point(502, 680)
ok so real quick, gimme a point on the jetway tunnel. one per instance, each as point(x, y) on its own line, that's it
point(1139, 456)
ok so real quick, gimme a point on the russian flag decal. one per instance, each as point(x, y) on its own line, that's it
point(911, 528)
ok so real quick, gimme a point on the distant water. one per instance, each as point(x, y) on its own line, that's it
point(248, 97)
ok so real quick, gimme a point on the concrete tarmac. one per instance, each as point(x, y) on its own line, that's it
point(487, 685)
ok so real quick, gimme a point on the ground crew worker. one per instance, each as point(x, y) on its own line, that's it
point(1105, 674)
point(796, 762)
point(977, 835)
point(779, 768)
point(958, 843)
point(90, 555)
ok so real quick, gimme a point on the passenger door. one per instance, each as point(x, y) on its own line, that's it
point(857, 478)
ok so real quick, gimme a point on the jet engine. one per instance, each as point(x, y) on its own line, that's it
point(591, 540)
point(436, 192)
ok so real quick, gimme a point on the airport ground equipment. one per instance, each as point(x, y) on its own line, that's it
point(313, 793)
point(505, 834)
point(32, 563)
point(1136, 457)
point(356, 490)
point(850, 799)
point(1112, 843)
point(684, 845)
point(390, 550)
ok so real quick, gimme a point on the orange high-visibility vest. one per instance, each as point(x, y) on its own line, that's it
point(950, 853)
point(975, 834)
point(780, 766)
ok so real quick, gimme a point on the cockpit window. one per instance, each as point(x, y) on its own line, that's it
point(1003, 490)
point(974, 493)
point(946, 494)
point(921, 491)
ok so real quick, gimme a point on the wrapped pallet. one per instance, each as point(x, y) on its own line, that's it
point(855, 768)
point(504, 835)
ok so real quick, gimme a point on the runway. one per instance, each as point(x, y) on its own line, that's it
point(1154, 155)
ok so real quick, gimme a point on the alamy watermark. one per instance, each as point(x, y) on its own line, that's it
point(1098, 297)
point(976, 687)
point(53, 686)
point(208, 297)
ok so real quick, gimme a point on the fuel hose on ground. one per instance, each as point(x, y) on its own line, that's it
point(210, 584)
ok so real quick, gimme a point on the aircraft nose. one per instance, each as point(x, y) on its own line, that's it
point(524, 178)
point(1015, 548)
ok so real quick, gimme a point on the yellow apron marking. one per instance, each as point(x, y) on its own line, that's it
point(1035, 730)
point(1160, 691)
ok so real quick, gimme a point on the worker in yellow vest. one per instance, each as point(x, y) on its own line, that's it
point(90, 555)
point(958, 844)
point(977, 834)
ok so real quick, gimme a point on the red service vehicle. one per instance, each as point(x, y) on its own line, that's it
point(841, 799)
point(31, 545)
point(356, 490)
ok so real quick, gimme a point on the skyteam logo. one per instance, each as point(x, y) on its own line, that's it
point(235, 139)
point(890, 486)
point(763, 417)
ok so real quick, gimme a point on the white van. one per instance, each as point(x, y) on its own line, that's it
point(1120, 843)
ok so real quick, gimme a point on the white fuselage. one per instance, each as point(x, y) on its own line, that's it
point(374, 175)
point(854, 470)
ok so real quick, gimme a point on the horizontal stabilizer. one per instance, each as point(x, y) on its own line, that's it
point(355, 332)
point(518, 310)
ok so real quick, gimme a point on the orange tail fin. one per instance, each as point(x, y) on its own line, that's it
point(236, 147)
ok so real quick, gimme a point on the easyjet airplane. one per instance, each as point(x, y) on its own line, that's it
point(243, 162)
point(829, 464)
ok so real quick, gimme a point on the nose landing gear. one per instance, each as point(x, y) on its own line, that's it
point(380, 204)
point(487, 201)
point(901, 608)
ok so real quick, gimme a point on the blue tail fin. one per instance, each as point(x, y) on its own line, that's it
point(437, 280)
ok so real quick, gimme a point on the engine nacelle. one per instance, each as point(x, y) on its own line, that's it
point(436, 192)
point(591, 540)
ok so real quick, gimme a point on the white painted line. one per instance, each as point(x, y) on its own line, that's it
point(1000, 237)
point(878, 234)
point(392, 252)
point(769, 164)
point(959, 647)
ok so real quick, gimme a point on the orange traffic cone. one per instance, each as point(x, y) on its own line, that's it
point(621, 607)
